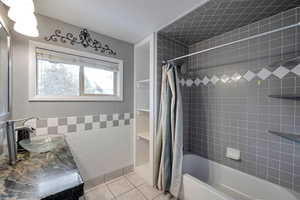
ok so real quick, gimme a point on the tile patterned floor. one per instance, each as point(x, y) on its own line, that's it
point(128, 187)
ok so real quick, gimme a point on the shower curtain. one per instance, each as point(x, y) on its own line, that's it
point(169, 137)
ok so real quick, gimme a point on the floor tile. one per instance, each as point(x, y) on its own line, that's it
point(135, 179)
point(164, 197)
point(120, 186)
point(132, 195)
point(99, 193)
point(114, 180)
point(149, 192)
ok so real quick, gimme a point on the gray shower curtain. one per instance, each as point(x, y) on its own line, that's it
point(169, 137)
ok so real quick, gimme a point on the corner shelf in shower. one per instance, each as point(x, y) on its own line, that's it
point(143, 83)
point(289, 136)
point(146, 81)
point(286, 96)
point(143, 109)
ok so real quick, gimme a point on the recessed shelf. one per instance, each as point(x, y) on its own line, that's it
point(286, 96)
point(289, 136)
point(144, 135)
point(143, 109)
point(143, 81)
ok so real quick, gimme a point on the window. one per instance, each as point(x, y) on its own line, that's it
point(59, 74)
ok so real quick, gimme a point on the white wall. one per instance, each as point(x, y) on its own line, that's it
point(20, 47)
point(96, 152)
point(101, 151)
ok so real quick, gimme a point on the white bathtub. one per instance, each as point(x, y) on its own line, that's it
point(207, 180)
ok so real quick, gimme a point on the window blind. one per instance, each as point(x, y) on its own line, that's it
point(59, 57)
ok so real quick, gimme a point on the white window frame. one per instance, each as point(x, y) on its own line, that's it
point(33, 95)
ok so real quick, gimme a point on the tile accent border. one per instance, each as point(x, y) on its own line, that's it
point(72, 124)
point(89, 184)
point(263, 74)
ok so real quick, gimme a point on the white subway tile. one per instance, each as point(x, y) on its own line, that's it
point(88, 119)
point(103, 118)
point(71, 120)
point(52, 122)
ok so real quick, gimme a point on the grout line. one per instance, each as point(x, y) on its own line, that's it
point(138, 188)
point(121, 194)
point(110, 191)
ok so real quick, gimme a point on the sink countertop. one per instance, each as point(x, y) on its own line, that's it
point(38, 176)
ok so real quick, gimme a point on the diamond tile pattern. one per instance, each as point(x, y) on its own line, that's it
point(296, 70)
point(280, 72)
point(189, 82)
point(205, 80)
point(263, 74)
point(218, 16)
point(197, 81)
point(249, 75)
point(214, 79)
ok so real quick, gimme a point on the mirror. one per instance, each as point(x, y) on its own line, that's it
point(4, 73)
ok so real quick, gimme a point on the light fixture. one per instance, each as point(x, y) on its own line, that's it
point(18, 15)
point(9, 3)
point(22, 13)
point(23, 3)
point(30, 31)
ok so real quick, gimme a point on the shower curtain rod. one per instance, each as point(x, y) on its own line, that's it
point(237, 41)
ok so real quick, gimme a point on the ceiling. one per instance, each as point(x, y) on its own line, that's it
point(219, 16)
point(127, 20)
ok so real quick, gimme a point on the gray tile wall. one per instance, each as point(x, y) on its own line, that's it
point(238, 113)
point(167, 49)
point(216, 17)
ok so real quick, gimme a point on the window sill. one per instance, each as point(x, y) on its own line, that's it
point(75, 99)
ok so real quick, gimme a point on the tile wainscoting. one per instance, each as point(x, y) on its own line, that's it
point(72, 124)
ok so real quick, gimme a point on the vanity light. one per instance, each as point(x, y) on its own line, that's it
point(9, 3)
point(22, 13)
point(18, 14)
point(21, 9)
point(30, 31)
point(23, 3)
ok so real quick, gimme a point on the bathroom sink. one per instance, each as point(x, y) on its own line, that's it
point(41, 144)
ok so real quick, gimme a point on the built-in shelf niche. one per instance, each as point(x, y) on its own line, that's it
point(144, 135)
point(290, 136)
point(286, 96)
point(145, 81)
point(143, 109)
point(144, 122)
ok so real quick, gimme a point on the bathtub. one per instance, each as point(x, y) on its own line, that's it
point(207, 180)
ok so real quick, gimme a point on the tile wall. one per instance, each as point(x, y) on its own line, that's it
point(229, 106)
point(72, 124)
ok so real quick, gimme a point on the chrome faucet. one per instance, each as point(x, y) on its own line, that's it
point(11, 138)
